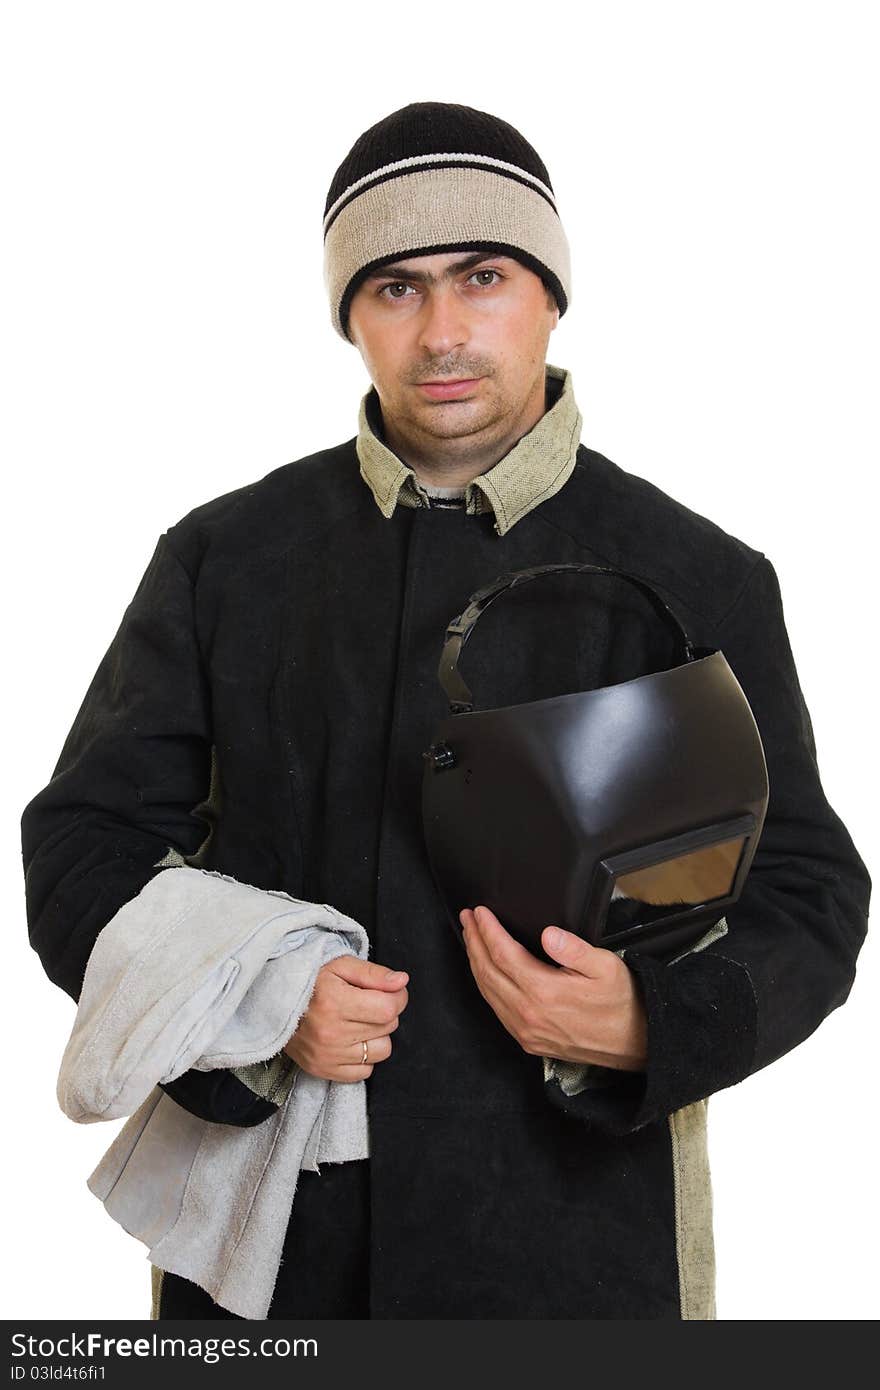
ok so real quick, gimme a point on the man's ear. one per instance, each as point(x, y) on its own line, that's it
point(552, 303)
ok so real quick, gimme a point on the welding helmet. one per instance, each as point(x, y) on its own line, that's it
point(628, 814)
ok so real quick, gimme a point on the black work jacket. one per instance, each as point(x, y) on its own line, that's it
point(263, 710)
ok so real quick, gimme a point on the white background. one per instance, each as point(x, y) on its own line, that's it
point(166, 338)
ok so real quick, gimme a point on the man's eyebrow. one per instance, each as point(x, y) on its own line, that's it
point(400, 272)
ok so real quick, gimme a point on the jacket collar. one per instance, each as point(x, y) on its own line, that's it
point(537, 466)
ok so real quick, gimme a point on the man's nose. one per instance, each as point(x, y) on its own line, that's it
point(445, 324)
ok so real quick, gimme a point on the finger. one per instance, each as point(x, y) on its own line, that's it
point(359, 1033)
point(501, 993)
point(366, 974)
point(506, 953)
point(342, 1061)
point(575, 953)
point(497, 988)
point(378, 1050)
point(371, 1007)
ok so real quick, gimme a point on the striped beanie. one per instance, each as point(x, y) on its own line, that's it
point(437, 177)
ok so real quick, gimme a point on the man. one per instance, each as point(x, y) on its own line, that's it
point(537, 1132)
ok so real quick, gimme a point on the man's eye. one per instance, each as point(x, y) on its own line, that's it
point(486, 272)
point(395, 285)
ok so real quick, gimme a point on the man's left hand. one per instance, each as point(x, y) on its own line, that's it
point(590, 1010)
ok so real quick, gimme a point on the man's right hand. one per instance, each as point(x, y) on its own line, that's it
point(354, 1001)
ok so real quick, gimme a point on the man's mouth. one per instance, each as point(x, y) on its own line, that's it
point(449, 389)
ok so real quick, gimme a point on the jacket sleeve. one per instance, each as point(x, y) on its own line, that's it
point(123, 801)
point(718, 1014)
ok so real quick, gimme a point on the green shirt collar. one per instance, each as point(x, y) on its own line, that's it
point(535, 468)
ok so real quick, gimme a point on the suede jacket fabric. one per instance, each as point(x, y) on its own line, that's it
point(263, 710)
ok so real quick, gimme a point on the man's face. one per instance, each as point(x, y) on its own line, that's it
point(473, 316)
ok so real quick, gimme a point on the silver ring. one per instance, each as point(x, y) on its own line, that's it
point(364, 1058)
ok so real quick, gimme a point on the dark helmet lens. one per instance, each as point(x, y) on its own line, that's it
point(654, 891)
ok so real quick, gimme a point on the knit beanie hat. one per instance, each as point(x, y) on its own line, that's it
point(437, 177)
